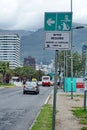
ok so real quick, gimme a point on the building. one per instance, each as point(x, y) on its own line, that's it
point(10, 49)
point(84, 48)
point(30, 61)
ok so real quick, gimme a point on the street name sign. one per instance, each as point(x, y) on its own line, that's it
point(57, 28)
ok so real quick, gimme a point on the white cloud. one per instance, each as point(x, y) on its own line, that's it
point(80, 11)
point(29, 14)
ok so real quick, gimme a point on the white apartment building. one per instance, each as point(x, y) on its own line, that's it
point(10, 49)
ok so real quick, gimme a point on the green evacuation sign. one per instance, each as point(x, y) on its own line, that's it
point(58, 21)
point(57, 27)
point(50, 21)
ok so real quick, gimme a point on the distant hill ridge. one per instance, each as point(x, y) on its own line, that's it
point(32, 43)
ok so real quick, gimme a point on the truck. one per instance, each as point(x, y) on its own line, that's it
point(45, 80)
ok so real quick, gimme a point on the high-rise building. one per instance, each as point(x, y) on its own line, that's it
point(10, 49)
point(30, 61)
point(84, 48)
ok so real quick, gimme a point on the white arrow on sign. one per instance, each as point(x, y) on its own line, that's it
point(50, 22)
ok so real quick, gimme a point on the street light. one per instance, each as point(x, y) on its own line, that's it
point(71, 57)
point(77, 27)
point(86, 63)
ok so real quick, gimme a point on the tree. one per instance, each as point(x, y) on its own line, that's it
point(28, 72)
point(4, 69)
point(78, 63)
point(38, 75)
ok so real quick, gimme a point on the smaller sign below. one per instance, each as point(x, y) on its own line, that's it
point(57, 40)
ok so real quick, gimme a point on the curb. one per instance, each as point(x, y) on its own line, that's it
point(47, 99)
point(39, 112)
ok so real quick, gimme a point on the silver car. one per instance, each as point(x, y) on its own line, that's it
point(30, 87)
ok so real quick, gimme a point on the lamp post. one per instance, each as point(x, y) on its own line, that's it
point(55, 90)
point(71, 61)
point(86, 63)
point(85, 90)
point(77, 27)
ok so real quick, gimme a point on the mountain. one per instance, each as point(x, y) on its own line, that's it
point(32, 43)
point(20, 32)
point(33, 46)
point(79, 37)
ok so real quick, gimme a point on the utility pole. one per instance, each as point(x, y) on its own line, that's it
point(55, 90)
point(71, 61)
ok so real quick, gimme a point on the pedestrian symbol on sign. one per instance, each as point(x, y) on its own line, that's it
point(65, 26)
point(64, 22)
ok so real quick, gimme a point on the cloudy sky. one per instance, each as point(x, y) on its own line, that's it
point(29, 14)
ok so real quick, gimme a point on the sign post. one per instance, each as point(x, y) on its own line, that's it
point(57, 28)
point(55, 90)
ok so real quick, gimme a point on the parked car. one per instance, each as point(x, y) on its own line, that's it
point(30, 87)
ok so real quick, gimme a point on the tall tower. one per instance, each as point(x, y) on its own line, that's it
point(10, 49)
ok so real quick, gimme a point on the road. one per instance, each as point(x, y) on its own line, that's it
point(18, 111)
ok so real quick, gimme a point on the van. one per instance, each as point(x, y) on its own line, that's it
point(45, 80)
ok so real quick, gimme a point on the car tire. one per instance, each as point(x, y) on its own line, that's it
point(37, 92)
point(24, 92)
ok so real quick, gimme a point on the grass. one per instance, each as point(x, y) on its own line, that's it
point(44, 120)
point(6, 85)
point(76, 95)
point(84, 128)
point(81, 115)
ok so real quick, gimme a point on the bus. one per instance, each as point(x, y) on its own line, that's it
point(45, 80)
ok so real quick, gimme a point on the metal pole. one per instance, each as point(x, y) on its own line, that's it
point(55, 90)
point(64, 64)
point(85, 90)
point(71, 76)
point(85, 100)
point(71, 61)
point(86, 63)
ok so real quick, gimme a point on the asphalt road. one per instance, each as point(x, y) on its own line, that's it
point(18, 111)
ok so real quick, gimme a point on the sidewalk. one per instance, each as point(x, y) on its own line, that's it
point(65, 120)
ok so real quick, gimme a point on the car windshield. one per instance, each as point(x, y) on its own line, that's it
point(31, 83)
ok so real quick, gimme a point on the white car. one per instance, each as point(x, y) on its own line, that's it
point(30, 87)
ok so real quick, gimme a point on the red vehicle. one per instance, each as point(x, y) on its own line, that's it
point(45, 80)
